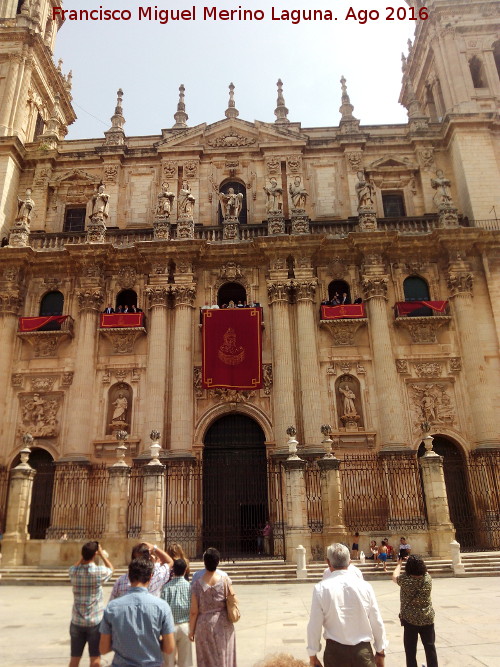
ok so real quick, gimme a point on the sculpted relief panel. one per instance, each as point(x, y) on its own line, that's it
point(432, 402)
point(39, 414)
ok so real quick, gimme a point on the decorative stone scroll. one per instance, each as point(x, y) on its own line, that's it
point(267, 377)
point(90, 299)
point(184, 295)
point(46, 343)
point(429, 369)
point(460, 283)
point(343, 331)
point(123, 339)
point(197, 382)
point(278, 291)
point(374, 286)
point(157, 296)
point(422, 329)
point(11, 302)
point(223, 395)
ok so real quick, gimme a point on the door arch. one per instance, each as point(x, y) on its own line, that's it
point(457, 490)
point(235, 498)
point(43, 486)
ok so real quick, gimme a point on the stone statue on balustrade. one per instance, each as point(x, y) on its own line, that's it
point(20, 231)
point(186, 201)
point(100, 205)
point(448, 214)
point(25, 207)
point(231, 204)
point(274, 195)
point(366, 193)
point(298, 194)
point(165, 202)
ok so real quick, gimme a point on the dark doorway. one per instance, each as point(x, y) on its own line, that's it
point(127, 297)
point(43, 486)
point(235, 500)
point(336, 291)
point(231, 292)
point(52, 304)
point(457, 490)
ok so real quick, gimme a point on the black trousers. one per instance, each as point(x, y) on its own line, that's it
point(410, 639)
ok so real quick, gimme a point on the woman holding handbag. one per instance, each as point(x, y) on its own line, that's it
point(209, 624)
point(417, 614)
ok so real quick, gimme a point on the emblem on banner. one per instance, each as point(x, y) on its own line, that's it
point(229, 352)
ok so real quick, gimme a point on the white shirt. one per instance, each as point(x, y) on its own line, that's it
point(352, 569)
point(346, 607)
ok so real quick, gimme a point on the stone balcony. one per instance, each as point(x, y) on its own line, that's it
point(45, 343)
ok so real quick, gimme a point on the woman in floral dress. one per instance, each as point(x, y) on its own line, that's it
point(208, 621)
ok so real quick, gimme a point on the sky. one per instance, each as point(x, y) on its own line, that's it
point(149, 61)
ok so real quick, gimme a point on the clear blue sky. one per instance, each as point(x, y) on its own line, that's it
point(149, 61)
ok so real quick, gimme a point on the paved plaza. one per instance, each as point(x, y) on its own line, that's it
point(34, 622)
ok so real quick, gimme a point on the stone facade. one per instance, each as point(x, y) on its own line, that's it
point(441, 170)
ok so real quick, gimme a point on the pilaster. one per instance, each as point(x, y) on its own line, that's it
point(153, 503)
point(441, 530)
point(297, 530)
point(334, 529)
point(18, 512)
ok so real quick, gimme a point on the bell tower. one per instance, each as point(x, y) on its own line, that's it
point(453, 71)
point(35, 95)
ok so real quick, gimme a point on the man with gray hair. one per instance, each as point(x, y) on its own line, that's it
point(346, 607)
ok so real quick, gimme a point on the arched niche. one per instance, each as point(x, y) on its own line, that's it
point(348, 399)
point(43, 486)
point(231, 291)
point(339, 287)
point(119, 413)
point(477, 72)
point(127, 297)
point(416, 288)
point(238, 187)
point(52, 303)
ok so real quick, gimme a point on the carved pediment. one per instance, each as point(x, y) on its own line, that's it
point(392, 162)
point(392, 171)
point(75, 175)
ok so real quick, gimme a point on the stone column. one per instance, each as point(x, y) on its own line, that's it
point(392, 429)
point(283, 377)
point(181, 434)
point(156, 372)
point(441, 530)
point(9, 91)
point(19, 124)
point(153, 503)
point(308, 362)
point(10, 304)
point(297, 531)
point(334, 529)
point(483, 415)
point(77, 443)
point(115, 532)
point(18, 512)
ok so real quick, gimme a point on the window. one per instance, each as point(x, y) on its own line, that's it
point(127, 297)
point(231, 292)
point(477, 73)
point(415, 289)
point(39, 126)
point(394, 205)
point(52, 304)
point(74, 220)
point(336, 291)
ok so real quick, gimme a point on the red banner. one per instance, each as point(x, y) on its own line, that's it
point(406, 307)
point(36, 323)
point(118, 320)
point(232, 348)
point(352, 311)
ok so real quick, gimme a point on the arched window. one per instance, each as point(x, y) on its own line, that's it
point(477, 72)
point(127, 297)
point(52, 304)
point(238, 188)
point(231, 292)
point(336, 291)
point(416, 289)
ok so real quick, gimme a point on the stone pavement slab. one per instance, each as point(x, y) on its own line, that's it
point(34, 623)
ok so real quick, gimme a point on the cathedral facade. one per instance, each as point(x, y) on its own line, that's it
point(369, 255)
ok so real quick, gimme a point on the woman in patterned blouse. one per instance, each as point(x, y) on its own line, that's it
point(417, 614)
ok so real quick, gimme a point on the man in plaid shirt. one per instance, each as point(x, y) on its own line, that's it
point(161, 574)
point(177, 592)
point(87, 579)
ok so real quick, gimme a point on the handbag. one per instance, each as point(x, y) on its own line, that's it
point(233, 612)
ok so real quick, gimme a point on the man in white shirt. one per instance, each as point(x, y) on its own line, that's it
point(346, 607)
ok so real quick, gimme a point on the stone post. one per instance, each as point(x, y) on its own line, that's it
point(441, 530)
point(115, 532)
point(301, 562)
point(181, 434)
point(156, 372)
point(18, 512)
point(283, 376)
point(308, 361)
point(391, 412)
point(153, 495)
point(76, 444)
point(482, 413)
point(334, 529)
point(297, 531)
point(456, 559)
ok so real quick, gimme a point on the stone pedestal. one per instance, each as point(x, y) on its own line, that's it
point(275, 224)
point(367, 220)
point(161, 228)
point(117, 501)
point(19, 234)
point(18, 512)
point(301, 562)
point(456, 559)
point(185, 227)
point(231, 229)
point(448, 216)
point(96, 231)
point(441, 530)
point(296, 528)
point(300, 222)
point(153, 504)
point(334, 529)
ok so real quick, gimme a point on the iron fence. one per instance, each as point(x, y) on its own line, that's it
point(41, 501)
point(382, 493)
point(313, 497)
point(135, 499)
point(183, 516)
point(4, 492)
point(276, 489)
point(79, 501)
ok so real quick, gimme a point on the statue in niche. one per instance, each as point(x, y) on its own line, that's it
point(441, 184)
point(349, 398)
point(274, 196)
point(120, 409)
point(25, 207)
point(366, 193)
point(298, 194)
point(100, 205)
point(165, 201)
point(231, 203)
point(186, 200)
